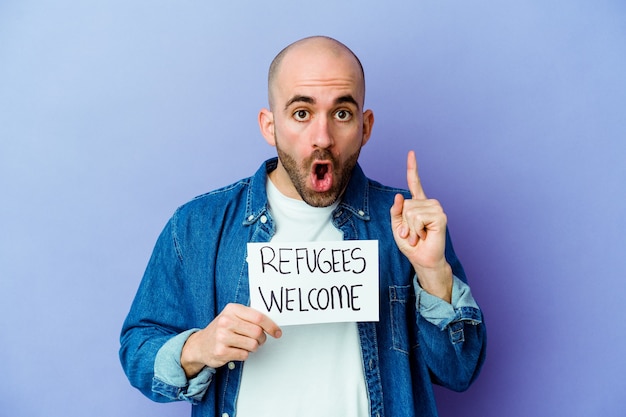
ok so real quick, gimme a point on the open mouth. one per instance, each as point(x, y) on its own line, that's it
point(320, 170)
point(321, 176)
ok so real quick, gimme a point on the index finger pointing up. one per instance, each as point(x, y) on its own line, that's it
point(413, 178)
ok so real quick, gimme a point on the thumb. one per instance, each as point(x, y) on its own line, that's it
point(396, 208)
point(397, 221)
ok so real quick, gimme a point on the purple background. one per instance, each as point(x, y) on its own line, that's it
point(114, 113)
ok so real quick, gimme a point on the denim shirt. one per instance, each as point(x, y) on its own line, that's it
point(199, 265)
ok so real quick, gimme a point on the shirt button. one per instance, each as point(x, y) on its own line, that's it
point(231, 365)
point(263, 219)
point(225, 415)
point(361, 213)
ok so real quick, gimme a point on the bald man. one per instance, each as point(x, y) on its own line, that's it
point(191, 335)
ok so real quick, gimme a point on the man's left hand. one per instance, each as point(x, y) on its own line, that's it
point(419, 229)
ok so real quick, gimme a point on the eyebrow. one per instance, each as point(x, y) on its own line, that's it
point(300, 99)
point(347, 99)
point(310, 100)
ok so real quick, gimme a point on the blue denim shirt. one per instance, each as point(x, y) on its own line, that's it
point(199, 265)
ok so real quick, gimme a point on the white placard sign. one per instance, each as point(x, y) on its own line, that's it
point(314, 282)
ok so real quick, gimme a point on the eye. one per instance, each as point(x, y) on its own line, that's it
point(301, 115)
point(343, 115)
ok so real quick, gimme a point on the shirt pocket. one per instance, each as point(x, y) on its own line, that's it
point(401, 305)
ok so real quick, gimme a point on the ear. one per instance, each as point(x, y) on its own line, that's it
point(266, 124)
point(368, 124)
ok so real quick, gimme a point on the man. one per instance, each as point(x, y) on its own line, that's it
point(191, 335)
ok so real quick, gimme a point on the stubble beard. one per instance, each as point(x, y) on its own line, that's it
point(299, 175)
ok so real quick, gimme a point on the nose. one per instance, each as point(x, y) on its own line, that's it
point(321, 134)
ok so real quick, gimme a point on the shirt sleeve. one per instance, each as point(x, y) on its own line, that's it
point(169, 376)
point(441, 313)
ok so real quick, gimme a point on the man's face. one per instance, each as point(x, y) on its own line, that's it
point(317, 124)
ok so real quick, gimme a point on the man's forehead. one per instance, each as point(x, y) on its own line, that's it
point(316, 62)
point(288, 94)
point(307, 73)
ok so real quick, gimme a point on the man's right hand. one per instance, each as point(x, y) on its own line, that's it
point(231, 336)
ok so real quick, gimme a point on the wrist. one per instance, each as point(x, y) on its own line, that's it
point(436, 281)
point(188, 360)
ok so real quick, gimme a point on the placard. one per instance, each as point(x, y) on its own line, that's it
point(314, 282)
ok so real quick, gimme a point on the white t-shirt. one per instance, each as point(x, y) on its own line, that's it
point(312, 370)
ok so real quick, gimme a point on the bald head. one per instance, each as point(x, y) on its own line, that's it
point(311, 45)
